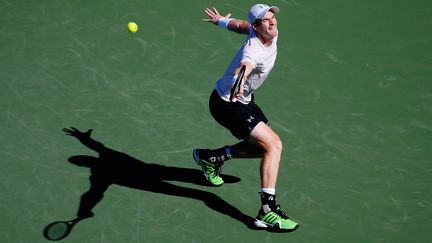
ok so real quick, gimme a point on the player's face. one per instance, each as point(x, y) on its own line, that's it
point(268, 27)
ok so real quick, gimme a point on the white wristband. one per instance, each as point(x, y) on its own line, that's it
point(223, 22)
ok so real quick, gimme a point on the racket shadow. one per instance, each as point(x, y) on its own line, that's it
point(112, 167)
point(59, 230)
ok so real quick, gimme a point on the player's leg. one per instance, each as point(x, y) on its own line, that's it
point(246, 150)
point(271, 145)
point(270, 214)
point(211, 160)
point(231, 116)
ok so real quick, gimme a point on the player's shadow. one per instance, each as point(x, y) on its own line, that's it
point(114, 167)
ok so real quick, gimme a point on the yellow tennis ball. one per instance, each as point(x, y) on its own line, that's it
point(132, 27)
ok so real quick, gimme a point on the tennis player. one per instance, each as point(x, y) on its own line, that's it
point(242, 116)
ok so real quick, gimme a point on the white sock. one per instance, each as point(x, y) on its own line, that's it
point(271, 191)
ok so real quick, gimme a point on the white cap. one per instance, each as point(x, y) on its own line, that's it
point(258, 11)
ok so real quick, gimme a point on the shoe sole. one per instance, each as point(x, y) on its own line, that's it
point(260, 224)
point(263, 225)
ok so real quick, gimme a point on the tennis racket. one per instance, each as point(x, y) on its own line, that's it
point(59, 229)
point(236, 88)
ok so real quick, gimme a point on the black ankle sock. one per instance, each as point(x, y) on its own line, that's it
point(268, 202)
point(214, 155)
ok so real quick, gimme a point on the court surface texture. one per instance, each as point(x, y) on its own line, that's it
point(350, 96)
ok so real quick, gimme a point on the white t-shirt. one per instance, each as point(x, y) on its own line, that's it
point(262, 59)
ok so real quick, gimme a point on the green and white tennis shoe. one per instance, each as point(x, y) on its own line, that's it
point(210, 170)
point(274, 221)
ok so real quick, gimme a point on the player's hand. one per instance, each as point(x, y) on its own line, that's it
point(214, 15)
point(72, 131)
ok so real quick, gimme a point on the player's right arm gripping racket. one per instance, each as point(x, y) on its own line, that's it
point(60, 229)
point(236, 88)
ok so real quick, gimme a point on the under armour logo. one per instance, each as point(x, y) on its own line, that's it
point(250, 119)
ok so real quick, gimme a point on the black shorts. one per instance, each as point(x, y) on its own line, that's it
point(238, 118)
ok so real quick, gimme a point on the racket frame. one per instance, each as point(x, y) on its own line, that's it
point(236, 87)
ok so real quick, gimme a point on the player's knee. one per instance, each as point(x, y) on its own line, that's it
point(277, 144)
point(267, 139)
point(274, 145)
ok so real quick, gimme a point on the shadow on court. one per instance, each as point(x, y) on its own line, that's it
point(114, 167)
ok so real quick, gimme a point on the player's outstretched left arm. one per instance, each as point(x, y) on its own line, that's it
point(235, 25)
